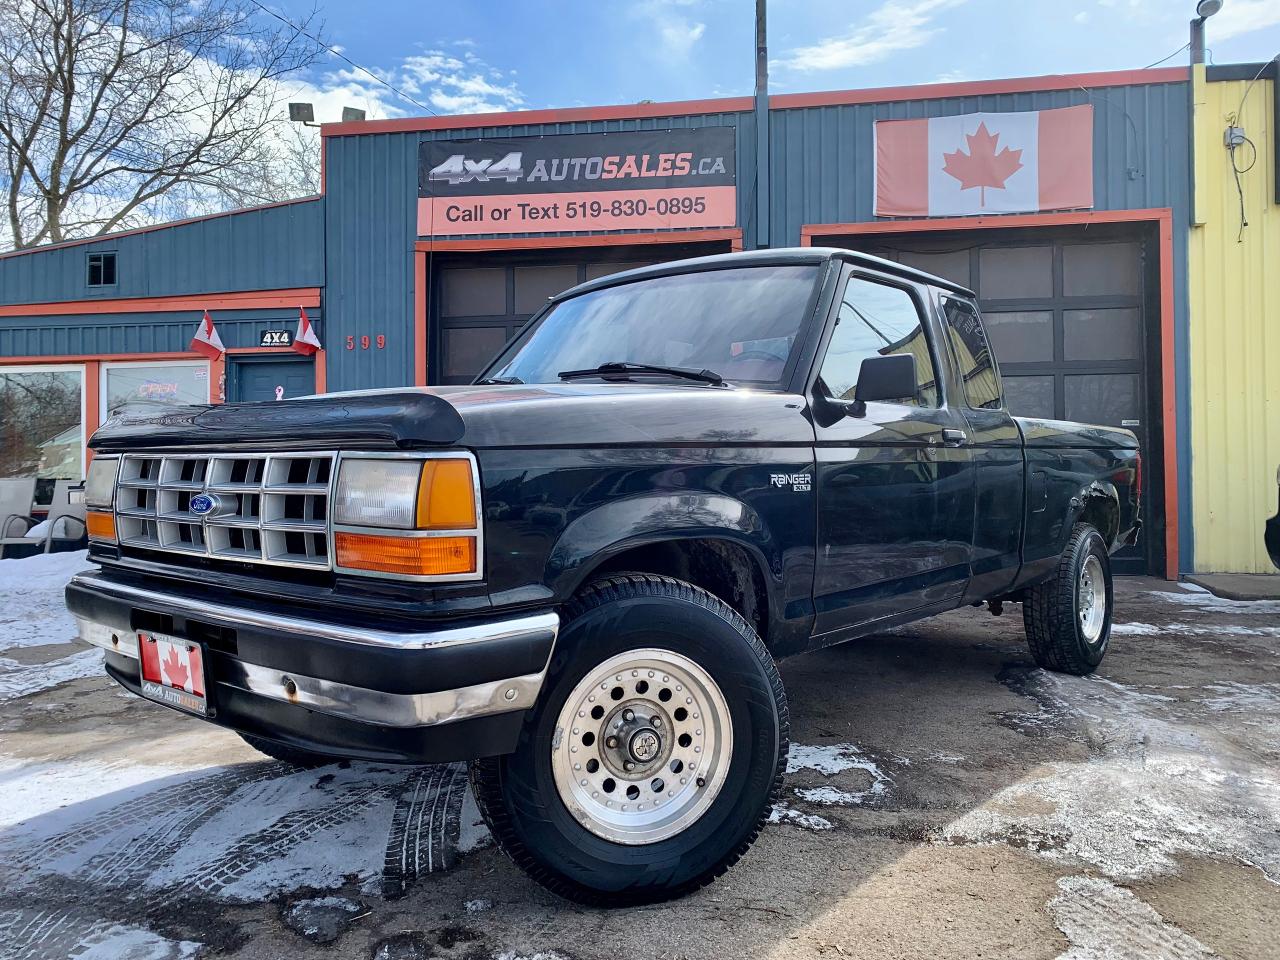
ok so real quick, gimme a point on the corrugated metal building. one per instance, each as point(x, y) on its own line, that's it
point(1235, 318)
point(1088, 305)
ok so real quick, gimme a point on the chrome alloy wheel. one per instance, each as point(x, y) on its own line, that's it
point(1091, 599)
point(642, 746)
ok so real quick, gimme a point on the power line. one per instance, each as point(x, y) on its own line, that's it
point(342, 56)
point(1169, 57)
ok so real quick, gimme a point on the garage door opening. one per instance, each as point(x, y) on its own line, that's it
point(1073, 314)
point(479, 302)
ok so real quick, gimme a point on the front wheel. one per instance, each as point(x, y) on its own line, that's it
point(650, 763)
point(1068, 618)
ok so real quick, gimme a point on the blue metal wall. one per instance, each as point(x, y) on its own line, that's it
point(263, 249)
point(119, 333)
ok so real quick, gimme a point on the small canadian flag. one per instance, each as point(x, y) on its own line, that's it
point(171, 663)
point(305, 340)
point(206, 341)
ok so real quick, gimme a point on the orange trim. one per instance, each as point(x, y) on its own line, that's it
point(218, 380)
point(92, 405)
point(785, 101)
point(322, 374)
point(108, 237)
point(420, 294)
point(1163, 218)
point(239, 300)
point(627, 111)
point(1168, 400)
point(731, 234)
point(94, 357)
point(239, 351)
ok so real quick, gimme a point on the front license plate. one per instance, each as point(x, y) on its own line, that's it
point(173, 672)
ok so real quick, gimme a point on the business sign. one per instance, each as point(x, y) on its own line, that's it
point(979, 163)
point(646, 180)
point(276, 338)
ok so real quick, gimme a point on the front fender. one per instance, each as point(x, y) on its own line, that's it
point(613, 528)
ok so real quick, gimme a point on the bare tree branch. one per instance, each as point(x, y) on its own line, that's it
point(115, 112)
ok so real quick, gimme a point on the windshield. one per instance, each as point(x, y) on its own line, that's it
point(740, 323)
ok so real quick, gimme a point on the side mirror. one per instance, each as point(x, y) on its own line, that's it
point(891, 377)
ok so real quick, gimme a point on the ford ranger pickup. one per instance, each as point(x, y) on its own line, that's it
point(578, 572)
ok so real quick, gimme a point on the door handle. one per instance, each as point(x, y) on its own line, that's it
point(953, 437)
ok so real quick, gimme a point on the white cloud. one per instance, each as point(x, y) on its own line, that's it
point(1241, 16)
point(1081, 17)
point(678, 33)
point(893, 26)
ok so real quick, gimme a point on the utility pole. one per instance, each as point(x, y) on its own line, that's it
point(762, 126)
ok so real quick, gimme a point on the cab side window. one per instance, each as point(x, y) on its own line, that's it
point(876, 318)
point(973, 354)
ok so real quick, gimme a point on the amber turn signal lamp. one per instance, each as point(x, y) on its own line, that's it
point(446, 496)
point(410, 556)
point(100, 526)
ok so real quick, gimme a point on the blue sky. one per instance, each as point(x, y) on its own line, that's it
point(530, 54)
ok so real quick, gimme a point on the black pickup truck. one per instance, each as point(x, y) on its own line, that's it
point(578, 572)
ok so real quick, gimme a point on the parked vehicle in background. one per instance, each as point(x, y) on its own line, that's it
point(578, 573)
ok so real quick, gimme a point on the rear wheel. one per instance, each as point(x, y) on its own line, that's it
point(650, 763)
point(1068, 618)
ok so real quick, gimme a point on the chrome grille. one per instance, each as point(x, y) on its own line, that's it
point(269, 508)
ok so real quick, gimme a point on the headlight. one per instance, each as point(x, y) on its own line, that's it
point(99, 496)
point(100, 485)
point(391, 516)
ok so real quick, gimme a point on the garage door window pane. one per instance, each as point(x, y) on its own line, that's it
point(949, 266)
point(40, 429)
point(535, 284)
point(1015, 273)
point(1029, 396)
point(1021, 336)
point(473, 293)
point(467, 350)
point(1101, 269)
point(1103, 398)
point(1114, 334)
point(169, 383)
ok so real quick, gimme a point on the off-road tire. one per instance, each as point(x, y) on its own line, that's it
point(517, 794)
point(302, 759)
point(1050, 612)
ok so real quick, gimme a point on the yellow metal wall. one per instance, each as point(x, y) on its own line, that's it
point(1234, 287)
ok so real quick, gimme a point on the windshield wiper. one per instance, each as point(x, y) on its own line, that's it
point(624, 367)
point(500, 381)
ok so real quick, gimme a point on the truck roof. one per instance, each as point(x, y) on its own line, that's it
point(783, 255)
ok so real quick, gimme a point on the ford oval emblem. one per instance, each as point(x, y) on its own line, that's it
point(203, 504)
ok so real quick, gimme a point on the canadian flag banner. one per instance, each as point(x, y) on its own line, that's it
point(985, 163)
point(305, 340)
point(206, 341)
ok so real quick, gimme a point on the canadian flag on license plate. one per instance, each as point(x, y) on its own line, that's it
point(172, 663)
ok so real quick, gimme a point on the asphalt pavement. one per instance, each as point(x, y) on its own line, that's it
point(944, 798)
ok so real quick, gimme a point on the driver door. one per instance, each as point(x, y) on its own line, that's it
point(895, 482)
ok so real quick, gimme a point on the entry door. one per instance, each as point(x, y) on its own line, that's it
point(273, 378)
point(895, 498)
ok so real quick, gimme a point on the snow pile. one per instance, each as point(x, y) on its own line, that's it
point(33, 614)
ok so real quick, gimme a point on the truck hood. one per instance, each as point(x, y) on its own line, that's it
point(577, 414)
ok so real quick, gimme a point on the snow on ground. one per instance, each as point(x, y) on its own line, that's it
point(1162, 786)
point(781, 813)
point(21, 679)
point(32, 611)
point(1104, 922)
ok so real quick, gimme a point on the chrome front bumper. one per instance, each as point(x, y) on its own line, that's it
point(104, 611)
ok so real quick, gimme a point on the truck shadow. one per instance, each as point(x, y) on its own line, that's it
point(892, 738)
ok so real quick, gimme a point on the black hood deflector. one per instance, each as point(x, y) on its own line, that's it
point(377, 420)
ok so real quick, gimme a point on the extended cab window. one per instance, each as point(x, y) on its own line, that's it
point(973, 354)
point(876, 318)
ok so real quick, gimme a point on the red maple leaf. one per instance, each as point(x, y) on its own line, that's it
point(982, 167)
point(174, 670)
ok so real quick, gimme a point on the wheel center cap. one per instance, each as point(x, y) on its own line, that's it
point(644, 745)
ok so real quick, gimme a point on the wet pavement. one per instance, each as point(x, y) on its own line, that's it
point(943, 798)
